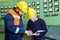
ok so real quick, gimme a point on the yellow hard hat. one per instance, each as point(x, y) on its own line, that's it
point(23, 6)
point(31, 13)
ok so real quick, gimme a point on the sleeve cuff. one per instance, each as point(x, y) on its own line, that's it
point(17, 30)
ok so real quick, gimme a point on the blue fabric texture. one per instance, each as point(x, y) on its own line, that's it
point(35, 26)
point(10, 28)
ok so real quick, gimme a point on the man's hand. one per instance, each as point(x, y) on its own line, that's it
point(28, 32)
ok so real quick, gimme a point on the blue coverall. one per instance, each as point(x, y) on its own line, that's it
point(10, 28)
point(35, 26)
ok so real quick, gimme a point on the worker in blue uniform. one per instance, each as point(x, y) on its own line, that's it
point(35, 24)
point(14, 29)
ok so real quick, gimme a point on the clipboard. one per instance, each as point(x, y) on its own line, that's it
point(38, 32)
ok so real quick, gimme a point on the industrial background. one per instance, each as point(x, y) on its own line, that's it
point(49, 10)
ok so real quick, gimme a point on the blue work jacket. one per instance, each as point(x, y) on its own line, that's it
point(35, 26)
point(10, 28)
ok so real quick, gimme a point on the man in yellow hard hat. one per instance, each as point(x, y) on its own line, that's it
point(14, 29)
point(36, 25)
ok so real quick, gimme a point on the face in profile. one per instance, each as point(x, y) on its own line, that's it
point(21, 13)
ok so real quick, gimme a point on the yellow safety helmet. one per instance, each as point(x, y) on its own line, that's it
point(31, 13)
point(23, 6)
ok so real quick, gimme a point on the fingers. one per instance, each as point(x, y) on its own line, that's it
point(28, 32)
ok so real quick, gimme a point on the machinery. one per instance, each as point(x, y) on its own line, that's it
point(49, 10)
